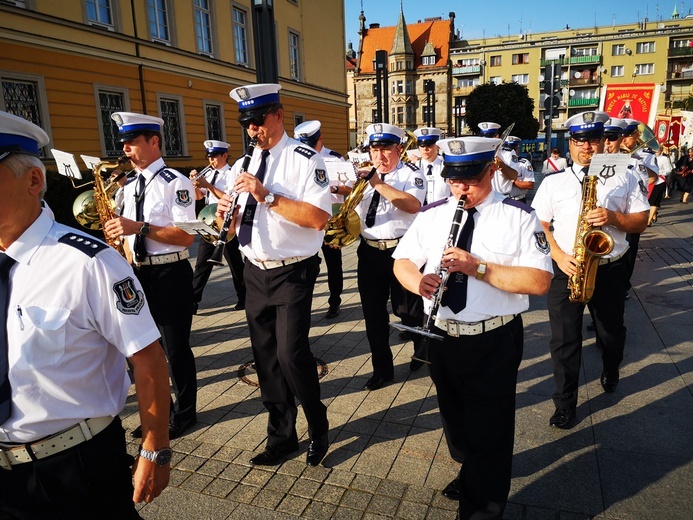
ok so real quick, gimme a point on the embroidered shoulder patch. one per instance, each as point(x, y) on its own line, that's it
point(418, 182)
point(433, 204)
point(541, 242)
point(305, 152)
point(168, 175)
point(643, 188)
point(321, 178)
point(128, 299)
point(90, 246)
point(183, 198)
point(517, 204)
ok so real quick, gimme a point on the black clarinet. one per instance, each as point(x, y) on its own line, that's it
point(220, 243)
point(421, 353)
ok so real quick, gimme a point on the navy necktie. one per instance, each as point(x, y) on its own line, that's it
point(429, 179)
point(214, 179)
point(373, 208)
point(245, 232)
point(455, 296)
point(6, 263)
point(140, 249)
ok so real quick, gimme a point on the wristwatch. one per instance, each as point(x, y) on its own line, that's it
point(159, 457)
point(269, 199)
point(335, 189)
point(144, 230)
point(481, 271)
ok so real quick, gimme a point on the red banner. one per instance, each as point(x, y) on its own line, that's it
point(667, 129)
point(631, 101)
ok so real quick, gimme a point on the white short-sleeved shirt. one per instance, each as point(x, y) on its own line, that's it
point(221, 179)
point(296, 172)
point(559, 197)
point(506, 232)
point(169, 197)
point(436, 187)
point(554, 165)
point(327, 156)
point(500, 183)
point(76, 310)
point(391, 222)
point(645, 160)
point(525, 172)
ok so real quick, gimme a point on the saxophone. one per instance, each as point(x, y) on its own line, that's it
point(590, 245)
point(93, 208)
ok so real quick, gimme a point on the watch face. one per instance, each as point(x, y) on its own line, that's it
point(163, 457)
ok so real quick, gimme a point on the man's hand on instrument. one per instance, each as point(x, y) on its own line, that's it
point(599, 217)
point(429, 285)
point(457, 260)
point(121, 226)
point(247, 183)
point(566, 262)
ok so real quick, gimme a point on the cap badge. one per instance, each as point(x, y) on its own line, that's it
point(243, 93)
point(588, 117)
point(424, 131)
point(456, 147)
point(118, 119)
point(378, 128)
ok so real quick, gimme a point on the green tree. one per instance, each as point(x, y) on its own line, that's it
point(504, 104)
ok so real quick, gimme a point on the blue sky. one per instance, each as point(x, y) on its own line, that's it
point(479, 19)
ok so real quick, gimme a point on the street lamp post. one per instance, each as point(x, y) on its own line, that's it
point(381, 85)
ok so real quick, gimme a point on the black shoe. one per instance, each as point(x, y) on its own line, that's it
point(591, 327)
point(376, 382)
point(136, 433)
point(273, 455)
point(176, 429)
point(452, 490)
point(415, 364)
point(333, 312)
point(609, 382)
point(563, 418)
point(317, 450)
point(194, 308)
point(240, 306)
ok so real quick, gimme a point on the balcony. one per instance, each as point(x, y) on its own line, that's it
point(563, 83)
point(579, 82)
point(466, 71)
point(564, 61)
point(586, 102)
point(682, 74)
point(675, 52)
point(462, 91)
point(575, 60)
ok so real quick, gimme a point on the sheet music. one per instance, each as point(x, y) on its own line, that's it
point(66, 164)
point(605, 165)
point(340, 171)
point(197, 227)
point(90, 161)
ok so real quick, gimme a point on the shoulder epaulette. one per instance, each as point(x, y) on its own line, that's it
point(336, 154)
point(130, 179)
point(88, 245)
point(517, 204)
point(413, 166)
point(305, 152)
point(549, 174)
point(433, 204)
point(168, 175)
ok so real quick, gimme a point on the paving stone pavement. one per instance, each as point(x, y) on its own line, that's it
point(629, 456)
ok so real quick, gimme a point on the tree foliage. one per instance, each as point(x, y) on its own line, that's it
point(504, 104)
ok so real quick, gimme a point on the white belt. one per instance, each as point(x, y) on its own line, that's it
point(382, 244)
point(81, 432)
point(604, 261)
point(456, 329)
point(165, 259)
point(273, 264)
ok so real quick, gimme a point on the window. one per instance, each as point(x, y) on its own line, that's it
point(214, 120)
point(618, 49)
point(298, 119)
point(400, 116)
point(522, 79)
point(467, 82)
point(644, 47)
point(203, 27)
point(468, 62)
point(374, 89)
point(496, 80)
point(428, 60)
point(110, 99)
point(170, 112)
point(495, 61)
point(644, 69)
point(158, 20)
point(617, 71)
point(294, 56)
point(240, 35)
point(25, 96)
point(410, 115)
point(400, 65)
point(588, 51)
point(678, 44)
point(398, 87)
point(100, 12)
point(520, 58)
point(408, 86)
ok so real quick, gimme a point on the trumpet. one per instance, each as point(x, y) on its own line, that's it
point(220, 242)
point(201, 173)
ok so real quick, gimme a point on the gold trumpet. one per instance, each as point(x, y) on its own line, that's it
point(646, 139)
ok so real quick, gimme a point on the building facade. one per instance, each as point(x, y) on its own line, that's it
point(68, 65)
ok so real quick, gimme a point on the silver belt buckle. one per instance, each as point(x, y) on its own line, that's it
point(453, 329)
point(382, 245)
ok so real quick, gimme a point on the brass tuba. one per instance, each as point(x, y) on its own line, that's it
point(93, 208)
point(590, 245)
point(343, 228)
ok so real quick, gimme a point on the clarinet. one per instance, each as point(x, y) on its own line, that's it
point(220, 242)
point(421, 353)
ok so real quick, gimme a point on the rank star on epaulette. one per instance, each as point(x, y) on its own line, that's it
point(128, 299)
point(183, 198)
point(321, 178)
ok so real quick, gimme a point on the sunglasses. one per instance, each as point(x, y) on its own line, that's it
point(255, 121)
point(611, 136)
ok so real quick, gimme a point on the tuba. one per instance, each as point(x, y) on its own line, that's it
point(343, 228)
point(93, 208)
point(590, 245)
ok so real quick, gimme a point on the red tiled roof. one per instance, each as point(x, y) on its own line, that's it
point(350, 63)
point(437, 32)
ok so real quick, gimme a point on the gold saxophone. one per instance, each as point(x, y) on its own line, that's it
point(590, 245)
point(93, 208)
point(343, 228)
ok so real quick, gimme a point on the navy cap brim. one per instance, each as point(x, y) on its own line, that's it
point(591, 134)
point(128, 136)
point(464, 170)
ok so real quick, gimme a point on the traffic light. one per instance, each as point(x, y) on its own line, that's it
point(552, 87)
